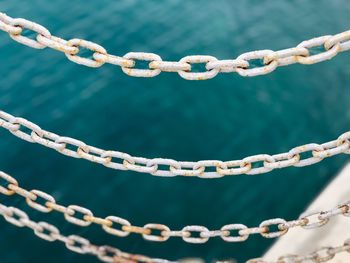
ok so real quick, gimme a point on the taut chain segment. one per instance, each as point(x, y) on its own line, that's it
point(256, 164)
point(332, 45)
point(121, 227)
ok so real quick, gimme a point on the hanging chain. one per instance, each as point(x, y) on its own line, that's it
point(323, 254)
point(331, 45)
point(257, 164)
point(78, 244)
point(121, 227)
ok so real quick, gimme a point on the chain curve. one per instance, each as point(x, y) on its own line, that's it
point(256, 164)
point(196, 234)
point(332, 44)
point(80, 245)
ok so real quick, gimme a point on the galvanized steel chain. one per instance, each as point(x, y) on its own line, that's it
point(257, 164)
point(78, 244)
point(75, 243)
point(121, 227)
point(332, 45)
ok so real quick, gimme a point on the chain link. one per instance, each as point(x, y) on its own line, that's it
point(256, 164)
point(332, 44)
point(196, 234)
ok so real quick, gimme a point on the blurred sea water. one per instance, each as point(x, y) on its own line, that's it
point(228, 117)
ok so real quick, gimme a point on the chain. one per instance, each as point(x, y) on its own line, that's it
point(78, 244)
point(303, 53)
point(74, 243)
point(256, 164)
point(323, 254)
point(121, 227)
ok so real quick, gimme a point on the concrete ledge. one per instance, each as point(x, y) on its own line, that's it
point(300, 241)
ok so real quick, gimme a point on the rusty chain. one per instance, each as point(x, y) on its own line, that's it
point(323, 254)
point(78, 244)
point(257, 164)
point(303, 53)
point(196, 234)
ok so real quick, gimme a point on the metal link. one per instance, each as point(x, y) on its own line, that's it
point(15, 216)
point(330, 149)
point(193, 229)
point(282, 160)
point(248, 161)
point(261, 54)
point(71, 142)
point(12, 30)
point(48, 139)
point(198, 75)
point(287, 56)
point(152, 237)
point(271, 59)
point(323, 254)
point(113, 231)
point(80, 222)
point(241, 168)
point(9, 180)
point(93, 154)
point(313, 220)
point(232, 227)
point(25, 24)
point(311, 147)
point(343, 39)
point(141, 72)
point(39, 207)
point(139, 164)
point(256, 164)
point(53, 231)
point(204, 165)
point(77, 244)
point(344, 139)
point(78, 43)
point(107, 253)
point(22, 192)
point(316, 42)
point(268, 223)
point(27, 124)
point(187, 169)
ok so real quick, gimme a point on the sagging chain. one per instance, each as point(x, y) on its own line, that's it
point(196, 234)
point(78, 244)
point(331, 45)
point(257, 164)
point(323, 254)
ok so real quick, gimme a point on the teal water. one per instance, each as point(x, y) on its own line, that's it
point(228, 117)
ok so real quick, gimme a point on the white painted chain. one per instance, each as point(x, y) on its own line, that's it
point(332, 45)
point(322, 254)
point(196, 234)
point(78, 244)
point(257, 164)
